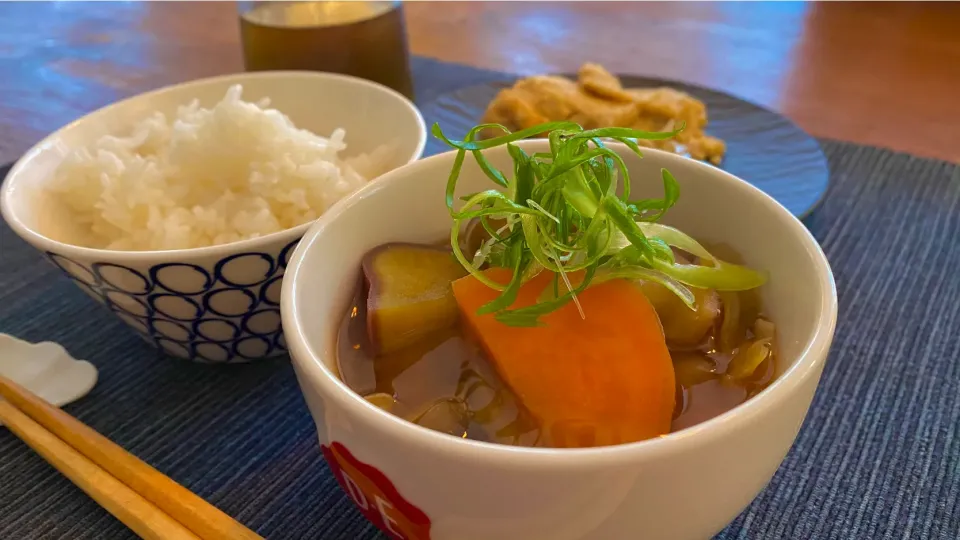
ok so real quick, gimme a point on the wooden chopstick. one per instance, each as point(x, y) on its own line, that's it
point(180, 504)
point(127, 505)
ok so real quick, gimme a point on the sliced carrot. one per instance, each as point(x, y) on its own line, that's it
point(595, 381)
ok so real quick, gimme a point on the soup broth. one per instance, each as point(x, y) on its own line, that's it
point(444, 381)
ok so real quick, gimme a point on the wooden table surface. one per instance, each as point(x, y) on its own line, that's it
point(883, 74)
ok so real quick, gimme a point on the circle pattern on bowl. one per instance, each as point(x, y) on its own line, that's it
point(228, 312)
point(181, 278)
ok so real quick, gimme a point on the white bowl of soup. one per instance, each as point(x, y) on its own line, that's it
point(630, 412)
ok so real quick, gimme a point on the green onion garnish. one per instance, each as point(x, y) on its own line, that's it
point(567, 211)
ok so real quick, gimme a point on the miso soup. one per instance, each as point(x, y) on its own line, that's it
point(560, 312)
point(444, 380)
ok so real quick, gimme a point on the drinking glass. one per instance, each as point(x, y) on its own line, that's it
point(360, 38)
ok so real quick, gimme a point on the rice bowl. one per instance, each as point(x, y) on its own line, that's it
point(218, 303)
point(236, 171)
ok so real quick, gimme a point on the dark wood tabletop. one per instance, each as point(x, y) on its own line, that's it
point(885, 74)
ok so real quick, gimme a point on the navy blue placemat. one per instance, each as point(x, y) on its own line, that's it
point(878, 457)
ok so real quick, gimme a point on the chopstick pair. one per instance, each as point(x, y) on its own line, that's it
point(149, 503)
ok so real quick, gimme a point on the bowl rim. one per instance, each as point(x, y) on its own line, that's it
point(10, 215)
point(314, 374)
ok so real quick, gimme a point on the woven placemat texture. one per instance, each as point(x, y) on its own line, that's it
point(878, 456)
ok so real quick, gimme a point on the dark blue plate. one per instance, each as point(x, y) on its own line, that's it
point(763, 147)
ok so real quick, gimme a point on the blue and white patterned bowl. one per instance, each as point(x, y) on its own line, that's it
point(215, 309)
point(219, 303)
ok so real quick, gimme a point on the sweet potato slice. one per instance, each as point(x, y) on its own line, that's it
point(600, 380)
point(409, 295)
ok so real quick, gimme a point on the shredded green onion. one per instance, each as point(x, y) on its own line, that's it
point(566, 211)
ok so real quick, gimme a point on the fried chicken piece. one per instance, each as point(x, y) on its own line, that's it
point(597, 99)
point(513, 109)
point(595, 79)
point(545, 98)
point(665, 109)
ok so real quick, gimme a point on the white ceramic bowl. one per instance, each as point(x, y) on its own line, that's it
point(220, 303)
point(687, 485)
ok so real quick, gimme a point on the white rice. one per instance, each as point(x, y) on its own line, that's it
point(211, 176)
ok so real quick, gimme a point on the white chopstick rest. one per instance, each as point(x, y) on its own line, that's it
point(46, 369)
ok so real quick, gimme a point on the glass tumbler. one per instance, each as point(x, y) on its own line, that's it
point(359, 38)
